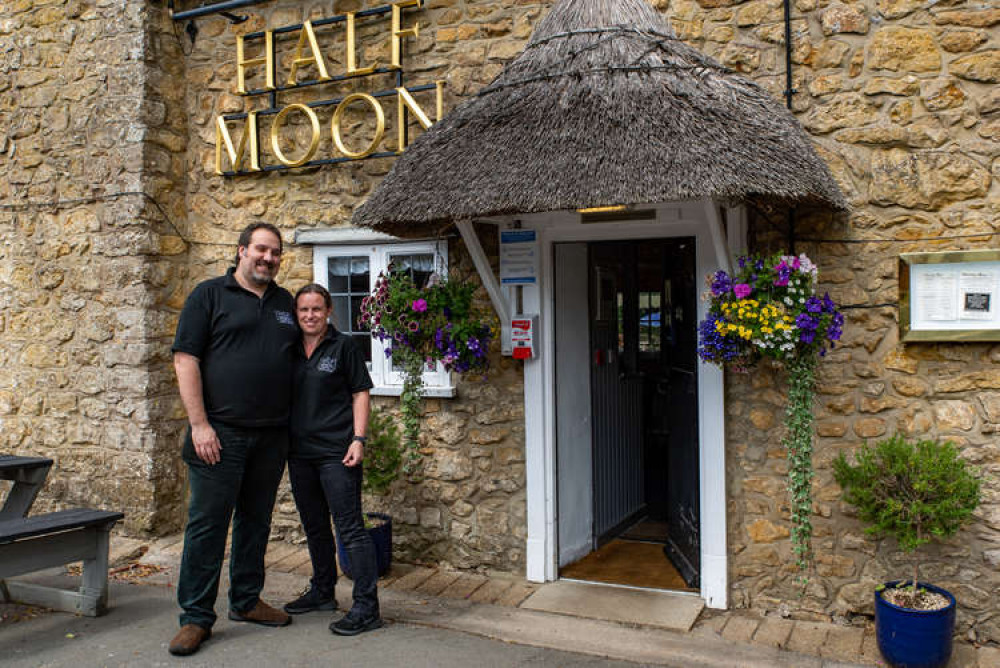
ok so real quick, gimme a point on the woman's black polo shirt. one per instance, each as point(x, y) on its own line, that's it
point(245, 344)
point(322, 414)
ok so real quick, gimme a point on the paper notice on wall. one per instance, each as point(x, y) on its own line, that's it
point(939, 295)
point(977, 294)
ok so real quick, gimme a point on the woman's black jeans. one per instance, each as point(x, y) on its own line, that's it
point(325, 487)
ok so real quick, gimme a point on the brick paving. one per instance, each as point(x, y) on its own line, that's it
point(829, 641)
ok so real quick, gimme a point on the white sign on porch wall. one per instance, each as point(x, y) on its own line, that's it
point(518, 257)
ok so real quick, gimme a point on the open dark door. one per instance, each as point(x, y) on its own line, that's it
point(676, 391)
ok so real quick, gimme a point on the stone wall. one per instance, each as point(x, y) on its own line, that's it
point(902, 101)
point(89, 139)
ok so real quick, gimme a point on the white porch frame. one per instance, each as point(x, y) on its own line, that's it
point(712, 253)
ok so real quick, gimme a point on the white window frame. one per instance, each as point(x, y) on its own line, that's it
point(437, 382)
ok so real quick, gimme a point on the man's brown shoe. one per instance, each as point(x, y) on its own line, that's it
point(189, 639)
point(262, 614)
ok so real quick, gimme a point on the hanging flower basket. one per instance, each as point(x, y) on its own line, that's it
point(768, 309)
point(423, 326)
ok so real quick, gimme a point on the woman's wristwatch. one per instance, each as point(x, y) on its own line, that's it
point(361, 439)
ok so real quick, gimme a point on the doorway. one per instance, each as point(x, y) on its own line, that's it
point(626, 412)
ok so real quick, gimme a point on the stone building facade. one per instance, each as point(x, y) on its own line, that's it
point(110, 211)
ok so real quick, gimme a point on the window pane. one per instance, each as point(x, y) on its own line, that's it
point(338, 270)
point(419, 266)
point(341, 313)
point(364, 344)
point(359, 275)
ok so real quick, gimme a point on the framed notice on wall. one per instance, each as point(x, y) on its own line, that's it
point(949, 296)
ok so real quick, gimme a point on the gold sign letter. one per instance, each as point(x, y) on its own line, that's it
point(222, 137)
point(405, 101)
point(307, 34)
point(242, 62)
point(352, 69)
point(313, 144)
point(397, 31)
point(379, 125)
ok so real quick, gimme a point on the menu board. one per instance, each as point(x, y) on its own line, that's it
point(950, 296)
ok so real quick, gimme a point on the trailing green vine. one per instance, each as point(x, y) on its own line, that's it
point(798, 444)
point(410, 407)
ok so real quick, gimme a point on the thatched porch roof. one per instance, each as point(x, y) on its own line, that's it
point(604, 106)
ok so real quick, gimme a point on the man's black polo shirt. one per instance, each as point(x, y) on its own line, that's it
point(245, 344)
point(322, 414)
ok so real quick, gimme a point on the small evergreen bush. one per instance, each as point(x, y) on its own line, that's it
point(914, 492)
point(383, 454)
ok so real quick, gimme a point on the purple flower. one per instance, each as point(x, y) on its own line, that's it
point(783, 271)
point(412, 326)
point(807, 336)
point(419, 305)
point(741, 290)
point(721, 283)
point(806, 322)
point(814, 305)
point(828, 305)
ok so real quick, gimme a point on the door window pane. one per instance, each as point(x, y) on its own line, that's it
point(359, 275)
point(650, 321)
point(349, 280)
point(341, 313)
point(339, 269)
point(419, 266)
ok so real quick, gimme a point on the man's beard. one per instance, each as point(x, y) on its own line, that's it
point(259, 278)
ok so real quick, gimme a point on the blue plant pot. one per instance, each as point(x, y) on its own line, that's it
point(914, 638)
point(381, 535)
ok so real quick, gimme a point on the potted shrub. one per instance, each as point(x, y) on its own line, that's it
point(383, 459)
point(916, 493)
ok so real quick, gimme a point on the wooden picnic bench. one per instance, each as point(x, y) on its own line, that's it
point(33, 543)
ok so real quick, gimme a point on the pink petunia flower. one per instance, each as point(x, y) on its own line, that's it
point(419, 305)
point(741, 290)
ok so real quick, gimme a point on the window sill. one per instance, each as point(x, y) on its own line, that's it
point(430, 392)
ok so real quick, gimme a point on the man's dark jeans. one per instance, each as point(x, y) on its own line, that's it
point(321, 486)
point(241, 487)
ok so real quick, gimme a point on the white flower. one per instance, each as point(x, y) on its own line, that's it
point(806, 266)
point(788, 301)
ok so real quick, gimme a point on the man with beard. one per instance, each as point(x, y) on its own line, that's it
point(232, 354)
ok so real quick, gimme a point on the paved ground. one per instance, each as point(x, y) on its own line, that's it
point(436, 617)
point(136, 632)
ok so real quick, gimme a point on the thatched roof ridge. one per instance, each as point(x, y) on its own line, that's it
point(604, 106)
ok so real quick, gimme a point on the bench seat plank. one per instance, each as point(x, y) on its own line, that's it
point(62, 520)
point(15, 462)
